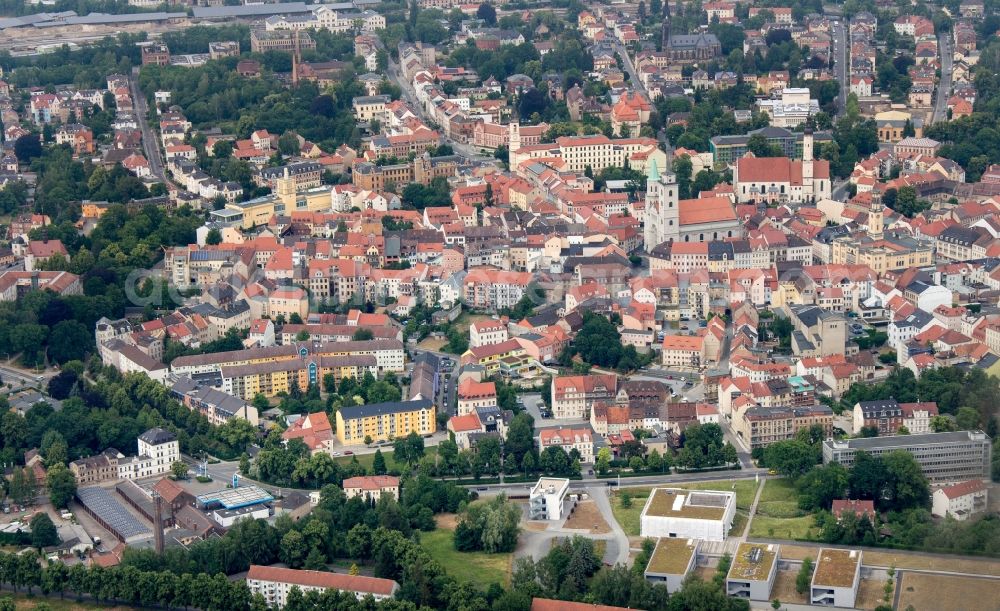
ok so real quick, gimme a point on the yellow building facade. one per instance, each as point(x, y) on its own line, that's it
point(385, 421)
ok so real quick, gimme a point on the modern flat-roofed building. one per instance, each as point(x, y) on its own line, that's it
point(943, 457)
point(751, 575)
point(836, 577)
point(274, 584)
point(671, 562)
point(688, 514)
point(385, 421)
point(545, 502)
point(262, 41)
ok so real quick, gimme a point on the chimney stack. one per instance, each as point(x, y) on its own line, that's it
point(158, 522)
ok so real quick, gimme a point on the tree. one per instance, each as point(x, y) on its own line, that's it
point(790, 457)
point(69, 341)
point(62, 485)
point(532, 101)
point(378, 463)
point(27, 147)
point(819, 487)
point(603, 460)
point(487, 13)
point(409, 449)
point(906, 484)
point(967, 419)
point(804, 579)
point(293, 549)
point(179, 469)
point(760, 147)
point(942, 424)
point(213, 237)
point(362, 334)
point(54, 448)
point(491, 527)
point(288, 144)
point(682, 170)
point(43, 531)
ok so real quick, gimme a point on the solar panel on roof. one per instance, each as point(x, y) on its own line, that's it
point(111, 511)
point(234, 498)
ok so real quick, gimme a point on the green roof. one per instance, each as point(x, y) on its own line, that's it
point(672, 556)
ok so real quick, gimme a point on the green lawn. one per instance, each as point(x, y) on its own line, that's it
point(778, 514)
point(366, 459)
point(24, 603)
point(779, 499)
point(628, 518)
point(780, 489)
point(473, 567)
point(783, 528)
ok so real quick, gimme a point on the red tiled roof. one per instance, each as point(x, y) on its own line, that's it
point(961, 489)
point(371, 482)
point(468, 422)
point(856, 506)
point(470, 388)
point(318, 579)
point(706, 210)
point(778, 169)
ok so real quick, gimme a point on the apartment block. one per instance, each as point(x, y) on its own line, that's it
point(385, 421)
point(575, 396)
point(275, 583)
point(943, 457)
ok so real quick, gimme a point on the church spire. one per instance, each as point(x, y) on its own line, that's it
point(654, 173)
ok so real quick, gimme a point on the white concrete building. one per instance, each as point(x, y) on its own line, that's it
point(794, 107)
point(227, 517)
point(671, 562)
point(487, 333)
point(752, 573)
point(836, 577)
point(547, 498)
point(690, 514)
point(274, 584)
point(960, 501)
point(158, 449)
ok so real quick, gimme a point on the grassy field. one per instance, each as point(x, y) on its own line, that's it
point(366, 459)
point(948, 592)
point(905, 560)
point(778, 513)
point(783, 528)
point(628, 517)
point(473, 567)
point(24, 603)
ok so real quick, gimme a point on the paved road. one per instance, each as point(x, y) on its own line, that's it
point(943, 92)
point(841, 63)
point(25, 377)
point(839, 192)
point(150, 143)
point(648, 480)
point(410, 97)
point(630, 69)
point(618, 544)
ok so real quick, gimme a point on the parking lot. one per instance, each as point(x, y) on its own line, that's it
point(533, 404)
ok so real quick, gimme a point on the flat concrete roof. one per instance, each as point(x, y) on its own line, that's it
point(693, 504)
point(672, 556)
point(836, 568)
point(544, 483)
point(753, 562)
